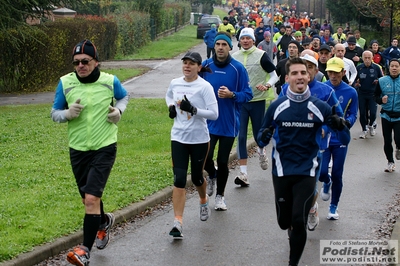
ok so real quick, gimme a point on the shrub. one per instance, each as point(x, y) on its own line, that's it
point(45, 55)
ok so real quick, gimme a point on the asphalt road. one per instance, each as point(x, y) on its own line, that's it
point(247, 233)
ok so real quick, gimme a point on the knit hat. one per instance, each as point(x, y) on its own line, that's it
point(298, 34)
point(306, 41)
point(295, 42)
point(86, 47)
point(373, 41)
point(213, 25)
point(249, 32)
point(194, 56)
point(267, 33)
point(335, 64)
point(352, 40)
point(223, 37)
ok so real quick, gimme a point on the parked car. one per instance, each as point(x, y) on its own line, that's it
point(205, 24)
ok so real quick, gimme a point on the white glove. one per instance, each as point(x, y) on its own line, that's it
point(114, 115)
point(74, 110)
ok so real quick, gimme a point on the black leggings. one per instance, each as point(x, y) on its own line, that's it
point(367, 107)
point(388, 128)
point(180, 160)
point(293, 198)
point(224, 150)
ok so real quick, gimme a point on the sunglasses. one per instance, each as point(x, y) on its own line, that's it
point(83, 61)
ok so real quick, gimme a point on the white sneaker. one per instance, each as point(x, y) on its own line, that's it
point(205, 211)
point(313, 219)
point(333, 214)
point(264, 161)
point(397, 154)
point(176, 231)
point(326, 191)
point(390, 168)
point(220, 203)
point(210, 185)
point(372, 131)
point(242, 180)
point(363, 135)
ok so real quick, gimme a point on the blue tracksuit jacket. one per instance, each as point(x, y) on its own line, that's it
point(233, 75)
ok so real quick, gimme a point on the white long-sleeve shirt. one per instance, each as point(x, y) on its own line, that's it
point(190, 129)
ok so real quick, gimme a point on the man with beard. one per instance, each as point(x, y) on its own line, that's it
point(230, 81)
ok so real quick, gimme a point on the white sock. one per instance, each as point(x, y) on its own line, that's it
point(243, 169)
point(260, 151)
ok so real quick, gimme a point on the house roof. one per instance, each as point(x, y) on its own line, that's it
point(64, 11)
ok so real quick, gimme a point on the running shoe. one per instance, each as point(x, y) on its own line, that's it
point(263, 161)
point(326, 191)
point(176, 231)
point(103, 235)
point(205, 211)
point(79, 256)
point(390, 168)
point(363, 135)
point(210, 186)
point(242, 180)
point(397, 154)
point(372, 131)
point(313, 219)
point(333, 214)
point(374, 125)
point(220, 204)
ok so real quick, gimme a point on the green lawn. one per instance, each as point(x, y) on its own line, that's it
point(41, 201)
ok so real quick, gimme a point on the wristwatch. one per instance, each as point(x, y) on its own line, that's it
point(233, 95)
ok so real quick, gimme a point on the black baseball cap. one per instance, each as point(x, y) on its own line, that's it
point(194, 56)
point(325, 47)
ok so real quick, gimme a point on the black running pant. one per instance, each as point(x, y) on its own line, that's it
point(388, 128)
point(224, 150)
point(293, 198)
point(180, 153)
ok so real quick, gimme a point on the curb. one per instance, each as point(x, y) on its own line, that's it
point(45, 251)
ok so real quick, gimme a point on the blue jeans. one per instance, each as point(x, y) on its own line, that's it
point(253, 111)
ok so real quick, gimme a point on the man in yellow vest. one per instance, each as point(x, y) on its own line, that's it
point(84, 99)
point(262, 77)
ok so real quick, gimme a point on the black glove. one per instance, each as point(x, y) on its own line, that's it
point(348, 125)
point(172, 111)
point(335, 122)
point(267, 135)
point(187, 106)
point(228, 30)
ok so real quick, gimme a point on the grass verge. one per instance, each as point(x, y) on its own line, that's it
point(167, 47)
point(41, 201)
